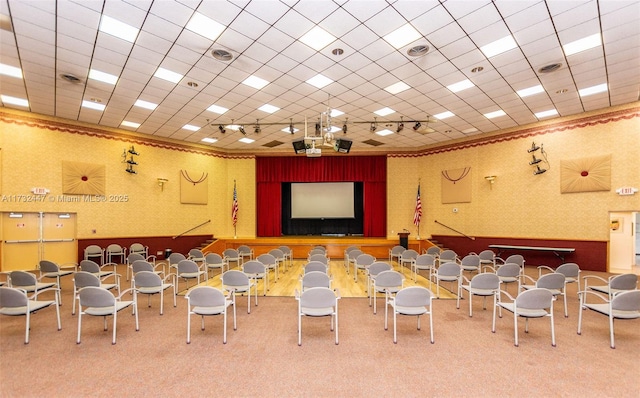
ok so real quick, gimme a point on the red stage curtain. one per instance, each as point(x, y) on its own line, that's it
point(272, 171)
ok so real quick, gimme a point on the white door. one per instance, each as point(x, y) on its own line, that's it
point(622, 241)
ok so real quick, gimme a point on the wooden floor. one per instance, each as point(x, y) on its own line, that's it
point(289, 280)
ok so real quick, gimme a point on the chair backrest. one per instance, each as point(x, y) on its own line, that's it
point(486, 255)
point(231, 254)
point(538, 298)
point(89, 266)
point(448, 255)
point(22, 278)
point(187, 267)
point(92, 296)
point(353, 254)
point(626, 301)
point(515, 258)
point(83, 279)
point(365, 259)
point(133, 257)
point(205, 296)
point(267, 259)
point(570, 270)
point(147, 279)
point(316, 251)
point(425, 260)
point(196, 254)
point(235, 278)
point(285, 249)
point(315, 279)
point(624, 282)
point(449, 269)
point(138, 248)
point(12, 298)
point(508, 270)
point(48, 266)
point(414, 296)
point(175, 258)
point(378, 267)
point(312, 266)
point(324, 249)
point(141, 265)
point(397, 250)
point(213, 259)
point(409, 254)
point(485, 281)
point(551, 281)
point(319, 257)
point(433, 250)
point(114, 248)
point(277, 253)
point(470, 260)
point(389, 279)
point(350, 248)
point(318, 297)
point(93, 250)
point(244, 249)
point(253, 267)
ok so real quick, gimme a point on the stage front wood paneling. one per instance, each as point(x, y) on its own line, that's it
point(377, 247)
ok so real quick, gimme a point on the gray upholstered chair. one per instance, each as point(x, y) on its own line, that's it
point(347, 255)
point(411, 301)
point(196, 255)
point(321, 257)
point(483, 285)
point(174, 259)
point(433, 250)
point(83, 279)
point(288, 255)
point(98, 301)
point(424, 262)
point(395, 252)
point(470, 263)
point(314, 279)
point(362, 262)
point(448, 272)
point(280, 258)
point(533, 303)
point(49, 269)
point(407, 258)
point(115, 250)
point(100, 271)
point(318, 302)
point(388, 283)
point(514, 258)
point(232, 256)
point(315, 266)
point(447, 256)
point(256, 271)
point(245, 252)
point(150, 283)
point(188, 270)
point(209, 301)
point(271, 263)
point(487, 257)
point(235, 281)
point(214, 261)
point(31, 284)
point(15, 302)
point(571, 272)
point(321, 251)
point(623, 305)
point(615, 284)
point(94, 252)
point(554, 282)
point(139, 248)
point(372, 272)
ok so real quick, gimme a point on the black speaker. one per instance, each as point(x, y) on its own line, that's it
point(299, 147)
point(342, 146)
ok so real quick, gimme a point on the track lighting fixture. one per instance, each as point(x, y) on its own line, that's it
point(133, 151)
point(535, 160)
point(400, 127)
point(318, 134)
point(256, 128)
point(291, 130)
point(374, 125)
point(538, 170)
point(241, 129)
point(344, 128)
point(533, 148)
point(222, 129)
point(417, 126)
point(130, 170)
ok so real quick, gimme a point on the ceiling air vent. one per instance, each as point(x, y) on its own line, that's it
point(418, 51)
point(372, 142)
point(70, 78)
point(272, 144)
point(550, 68)
point(222, 55)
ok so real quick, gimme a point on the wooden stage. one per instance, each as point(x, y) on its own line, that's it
point(300, 245)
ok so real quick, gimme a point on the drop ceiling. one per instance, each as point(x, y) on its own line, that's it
point(55, 44)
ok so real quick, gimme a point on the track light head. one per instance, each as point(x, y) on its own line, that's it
point(400, 127)
point(291, 129)
point(417, 126)
point(222, 129)
point(344, 128)
point(318, 129)
point(241, 129)
point(535, 160)
point(539, 171)
point(533, 148)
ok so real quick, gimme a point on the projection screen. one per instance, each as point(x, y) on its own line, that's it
point(322, 200)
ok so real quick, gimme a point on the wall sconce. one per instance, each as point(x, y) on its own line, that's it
point(161, 182)
point(491, 180)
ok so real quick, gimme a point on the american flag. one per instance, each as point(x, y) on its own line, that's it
point(234, 206)
point(417, 215)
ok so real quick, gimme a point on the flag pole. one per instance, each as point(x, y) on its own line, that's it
point(234, 210)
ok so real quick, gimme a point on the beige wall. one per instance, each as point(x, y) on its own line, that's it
point(522, 204)
point(519, 205)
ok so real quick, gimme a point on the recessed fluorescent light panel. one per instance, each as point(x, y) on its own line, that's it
point(118, 29)
point(443, 115)
point(593, 90)
point(269, 108)
point(145, 104)
point(335, 129)
point(130, 124)
point(499, 46)
point(286, 130)
point(525, 92)
point(397, 88)
point(317, 38)
point(246, 140)
point(93, 105)
point(102, 77)
point(217, 109)
point(543, 114)
point(384, 111)
point(10, 71)
point(463, 85)
point(166, 74)
point(319, 81)
point(384, 132)
point(493, 114)
point(205, 26)
point(209, 140)
point(14, 101)
point(255, 82)
point(233, 127)
point(190, 127)
point(469, 130)
point(335, 113)
point(402, 36)
point(583, 44)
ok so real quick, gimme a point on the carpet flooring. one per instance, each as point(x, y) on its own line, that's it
point(262, 357)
